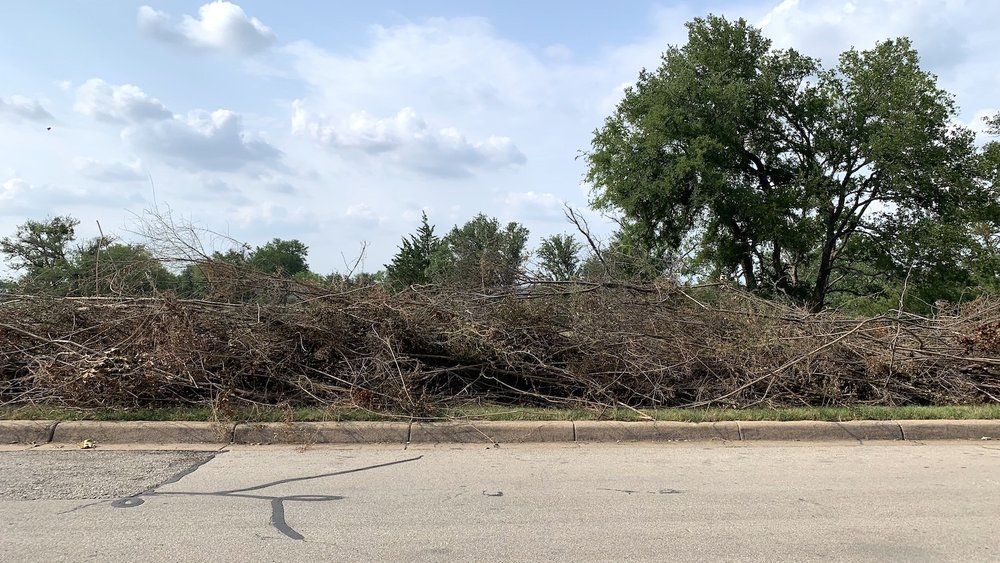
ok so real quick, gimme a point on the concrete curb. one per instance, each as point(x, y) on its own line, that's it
point(41, 432)
point(322, 433)
point(813, 431)
point(143, 432)
point(954, 430)
point(597, 431)
point(491, 432)
point(26, 431)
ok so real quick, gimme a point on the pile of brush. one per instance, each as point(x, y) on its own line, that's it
point(412, 351)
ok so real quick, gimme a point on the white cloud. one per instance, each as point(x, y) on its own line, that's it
point(278, 218)
point(220, 26)
point(203, 141)
point(216, 189)
point(409, 141)
point(543, 199)
point(460, 64)
point(22, 199)
point(824, 29)
point(534, 205)
point(109, 171)
point(199, 140)
point(558, 52)
point(24, 107)
point(280, 187)
point(12, 188)
point(362, 214)
point(118, 104)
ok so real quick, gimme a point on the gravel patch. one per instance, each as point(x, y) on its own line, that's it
point(79, 475)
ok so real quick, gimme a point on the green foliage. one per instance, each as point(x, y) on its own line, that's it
point(411, 264)
point(785, 172)
point(559, 257)
point(101, 267)
point(285, 258)
point(626, 259)
point(481, 253)
point(40, 250)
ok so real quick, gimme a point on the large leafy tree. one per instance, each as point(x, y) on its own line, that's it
point(782, 169)
point(104, 267)
point(40, 245)
point(481, 253)
point(41, 251)
point(44, 252)
point(985, 229)
point(280, 257)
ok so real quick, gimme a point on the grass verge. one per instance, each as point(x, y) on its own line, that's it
point(500, 413)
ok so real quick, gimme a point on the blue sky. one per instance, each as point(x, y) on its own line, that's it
point(337, 123)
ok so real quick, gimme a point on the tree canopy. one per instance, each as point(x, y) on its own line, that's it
point(281, 257)
point(559, 257)
point(480, 253)
point(788, 174)
point(38, 245)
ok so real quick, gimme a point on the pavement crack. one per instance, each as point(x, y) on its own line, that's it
point(633, 491)
point(187, 471)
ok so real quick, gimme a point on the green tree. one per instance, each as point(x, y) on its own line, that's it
point(280, 257)
point(39, 245)
point(412, 262)
point(559, 257)
point(985, 230)
point(41, 250)
point(221, 275)
point(102, 267)
point(780, 167)
point(626, 259)
point(480, 253)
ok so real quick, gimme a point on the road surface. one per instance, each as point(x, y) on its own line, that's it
point(629, 502)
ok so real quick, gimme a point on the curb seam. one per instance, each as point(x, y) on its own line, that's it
point(52, 432)
point(573, 422)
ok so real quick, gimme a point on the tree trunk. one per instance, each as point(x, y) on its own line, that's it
point(748, 274)
point(818, 301)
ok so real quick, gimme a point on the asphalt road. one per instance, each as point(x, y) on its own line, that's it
point(637, 502)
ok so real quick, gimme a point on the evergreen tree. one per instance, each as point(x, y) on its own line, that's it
point(412, 262)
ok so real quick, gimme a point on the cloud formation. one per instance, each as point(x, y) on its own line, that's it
point(118, 104)
point(535, 205)
point(407, 140)
point(24, 107)
point(109, 171)
point(13, 187)
point(220, 26)
point(203, 141)
point(200, 140)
